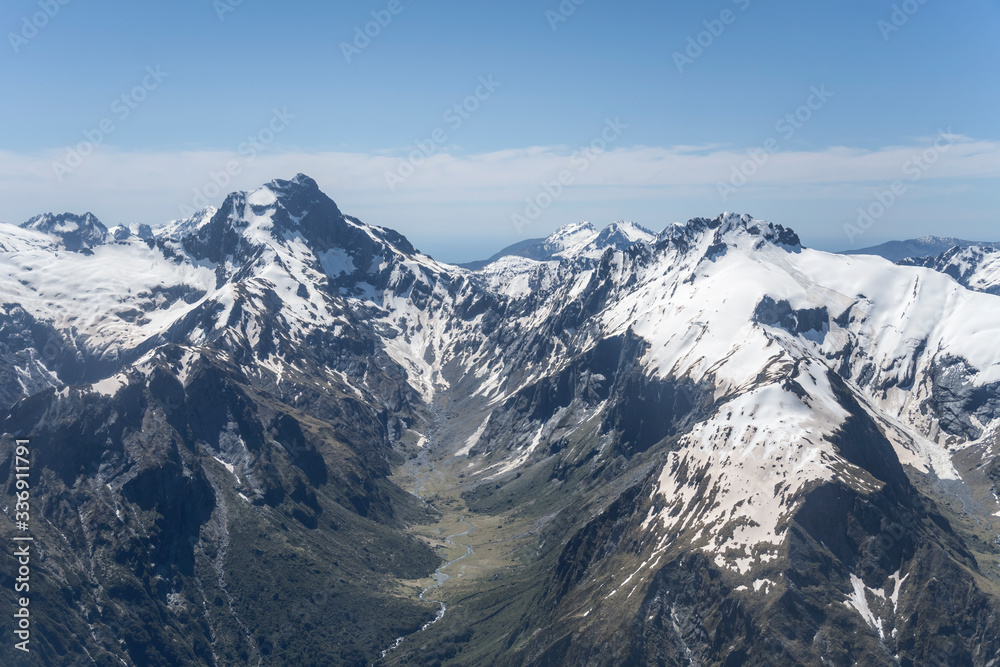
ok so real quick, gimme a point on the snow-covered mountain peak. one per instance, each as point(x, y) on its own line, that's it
point(731, 225)
point(727, 229)
point(294, 195)
point(73, 232)
point(976, 267)
point(572, 230)
point(970, 255)
point(583, 240)
point(178, 229)
point(570, 239)
point(281, 211)
point(138, 231)
point(622, 234)
point(271, 215)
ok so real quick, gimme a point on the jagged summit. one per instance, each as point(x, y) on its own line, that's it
point(279, 212)
point(181, 227)
point(712, 418)
point(569, 239)
point(622, 234)
point(727, 228)
point(300, 188)
point(74, 232)
point(976, 267)
point(582, 240)
point(297, 197)
point(125, 232)
point(733, 222)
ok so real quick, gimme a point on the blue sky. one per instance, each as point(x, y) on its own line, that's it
point(889, 91)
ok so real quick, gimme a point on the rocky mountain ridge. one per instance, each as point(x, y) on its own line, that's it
point(718, 446)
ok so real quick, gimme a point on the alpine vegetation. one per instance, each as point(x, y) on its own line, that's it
point(272, 434)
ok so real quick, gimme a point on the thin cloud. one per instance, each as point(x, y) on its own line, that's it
point(157, 186)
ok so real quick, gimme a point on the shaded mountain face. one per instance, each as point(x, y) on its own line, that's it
point(709, 445)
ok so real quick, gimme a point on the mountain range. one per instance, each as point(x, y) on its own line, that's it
point(274, 434)
point(923, 247)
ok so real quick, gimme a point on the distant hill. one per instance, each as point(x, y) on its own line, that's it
point(925, 246)
point(570, 240)
point(530, 248)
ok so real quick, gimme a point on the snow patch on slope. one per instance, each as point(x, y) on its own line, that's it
point(474, 438)
point(737, 476)
point(859, 602)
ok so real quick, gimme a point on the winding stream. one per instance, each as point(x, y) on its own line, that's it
point(424, 464)
point(439, 575)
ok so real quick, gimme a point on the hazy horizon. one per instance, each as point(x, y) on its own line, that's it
point(424, 119)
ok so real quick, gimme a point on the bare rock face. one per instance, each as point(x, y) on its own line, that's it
point(710, 445)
